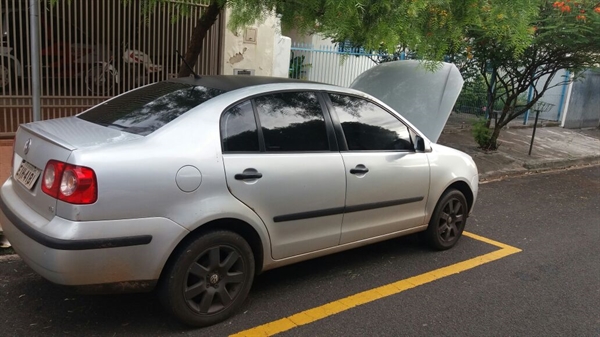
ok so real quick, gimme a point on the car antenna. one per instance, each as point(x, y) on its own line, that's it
point(196, 76)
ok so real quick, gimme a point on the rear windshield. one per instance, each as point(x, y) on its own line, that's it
point(146, 110)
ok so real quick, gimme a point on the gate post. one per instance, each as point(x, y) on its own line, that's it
point(34, 43)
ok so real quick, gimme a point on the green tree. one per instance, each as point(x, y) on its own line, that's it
point(433, 27)
point(562, 34)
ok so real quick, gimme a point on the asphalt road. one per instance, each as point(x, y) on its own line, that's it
point(550, 288)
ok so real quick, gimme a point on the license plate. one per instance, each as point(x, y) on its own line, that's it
point(27, 174)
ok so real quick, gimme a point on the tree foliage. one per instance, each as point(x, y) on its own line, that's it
point(434, 28)
point(562, 35)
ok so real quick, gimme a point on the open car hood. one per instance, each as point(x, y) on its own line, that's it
point(425, 98)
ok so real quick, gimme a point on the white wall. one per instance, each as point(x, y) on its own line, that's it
point(552, 96)
point(256, 56)
point(584, 104)
point(281, 56)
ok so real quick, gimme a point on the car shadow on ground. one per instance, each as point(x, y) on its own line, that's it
point(315, 269)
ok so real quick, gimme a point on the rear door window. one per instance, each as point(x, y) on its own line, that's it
point(292, 122)
point(147, 109)
point(238, 129)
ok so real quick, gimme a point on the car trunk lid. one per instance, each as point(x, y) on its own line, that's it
point(39, 142)
point(424, 97)
point(75, 133)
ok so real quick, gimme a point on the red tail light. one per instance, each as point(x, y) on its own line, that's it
point(70, 183)
point(51, 177)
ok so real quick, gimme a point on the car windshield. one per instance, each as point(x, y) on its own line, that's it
point(147, 109)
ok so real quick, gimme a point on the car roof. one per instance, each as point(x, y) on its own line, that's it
point(234, 82)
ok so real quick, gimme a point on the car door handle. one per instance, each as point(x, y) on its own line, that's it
point(359, 169)
point(248, 175)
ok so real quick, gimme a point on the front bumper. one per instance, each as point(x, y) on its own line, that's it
point(475, 190)
point(86, 253)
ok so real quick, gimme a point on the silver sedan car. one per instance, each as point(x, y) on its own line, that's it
point(193, 186)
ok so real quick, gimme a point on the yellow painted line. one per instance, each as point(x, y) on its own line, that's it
point(335, 307)
point(490, 241)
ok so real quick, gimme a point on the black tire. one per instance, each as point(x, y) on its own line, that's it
point(447, 221)
point(208, 279)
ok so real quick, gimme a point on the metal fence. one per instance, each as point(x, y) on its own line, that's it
point(473, 99)
point(329, 64)
point(92, 50)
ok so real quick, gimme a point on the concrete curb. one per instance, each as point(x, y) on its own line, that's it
point(3, 242)
point(530, 126)
point(540, 167)
point(468, 127)
point(5, 246)
point(560, 163)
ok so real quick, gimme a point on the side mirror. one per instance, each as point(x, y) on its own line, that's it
point(420, 146)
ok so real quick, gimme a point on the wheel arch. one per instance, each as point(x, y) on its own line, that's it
point(444, 235)
point(459, 184)
point(234, 225)
point(465, 189)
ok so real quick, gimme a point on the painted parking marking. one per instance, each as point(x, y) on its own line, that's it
point(346, 303)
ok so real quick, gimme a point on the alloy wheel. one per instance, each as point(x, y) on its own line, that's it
point(214, 280)
point(451, 220)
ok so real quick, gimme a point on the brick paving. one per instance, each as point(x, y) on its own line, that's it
point(5, 158)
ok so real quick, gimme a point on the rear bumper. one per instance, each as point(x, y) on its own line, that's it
point(88, 253)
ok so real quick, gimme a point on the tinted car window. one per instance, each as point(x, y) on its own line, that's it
point(238, 129)
point(292, 121)
point(368, 127)
point(147, 109)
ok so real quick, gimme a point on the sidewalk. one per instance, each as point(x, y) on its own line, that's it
point(5, 158)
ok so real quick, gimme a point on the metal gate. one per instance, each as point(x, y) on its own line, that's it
point(329, 63)
point(91, 51)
